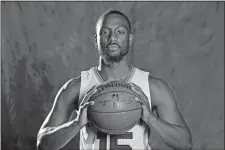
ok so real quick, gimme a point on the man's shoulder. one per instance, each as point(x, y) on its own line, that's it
point(161, 92)
point(158, 86)
point(72, 83)
point(156, 82)
point(76, 81)
point(142, 69)
point(153, 80)
point(87, 69)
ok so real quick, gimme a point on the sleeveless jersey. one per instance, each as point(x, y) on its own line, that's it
point(136, 138)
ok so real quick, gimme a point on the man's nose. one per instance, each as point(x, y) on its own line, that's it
point(113, 37)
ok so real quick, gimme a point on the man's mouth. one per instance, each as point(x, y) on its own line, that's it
point(113, 46)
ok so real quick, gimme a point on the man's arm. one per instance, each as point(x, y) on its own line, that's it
point(169, 124)
point(57, 129)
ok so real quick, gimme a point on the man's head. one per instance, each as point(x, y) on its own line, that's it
point(113, 36)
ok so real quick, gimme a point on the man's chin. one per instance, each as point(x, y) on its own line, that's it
point(114, 58)
point(113, 53)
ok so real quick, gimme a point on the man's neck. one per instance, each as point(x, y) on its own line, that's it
point(114, 71)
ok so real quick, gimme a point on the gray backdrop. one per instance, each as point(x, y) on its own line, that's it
point(46, 43)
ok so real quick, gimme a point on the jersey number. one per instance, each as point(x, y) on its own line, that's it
point(113, 141)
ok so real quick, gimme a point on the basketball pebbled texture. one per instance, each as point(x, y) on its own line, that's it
point(115, 110)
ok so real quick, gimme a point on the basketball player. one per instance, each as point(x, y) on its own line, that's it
point(113, 41)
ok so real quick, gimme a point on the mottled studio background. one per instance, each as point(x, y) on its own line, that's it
point(46, 43)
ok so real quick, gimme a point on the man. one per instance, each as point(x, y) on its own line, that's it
point(113, 41)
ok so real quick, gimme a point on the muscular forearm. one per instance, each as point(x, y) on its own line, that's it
point(53, 138)
point(175, 136)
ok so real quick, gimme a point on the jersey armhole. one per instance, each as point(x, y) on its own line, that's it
point(153, 107)
point(80, 89)
point(150, 101)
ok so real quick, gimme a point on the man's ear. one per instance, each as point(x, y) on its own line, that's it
point(95, 41)
point(130, 40)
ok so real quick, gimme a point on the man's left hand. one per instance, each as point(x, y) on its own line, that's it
point(143, 99)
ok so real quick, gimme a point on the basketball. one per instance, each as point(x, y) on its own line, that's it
point(115, 110)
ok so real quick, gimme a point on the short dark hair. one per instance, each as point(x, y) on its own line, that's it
point(118, 13)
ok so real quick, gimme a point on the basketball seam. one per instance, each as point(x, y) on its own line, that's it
point(115, 112)
point(110, 92)
point(128, 128)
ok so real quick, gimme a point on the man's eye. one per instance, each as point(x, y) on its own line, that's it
point(104, 32)
point(120, 32)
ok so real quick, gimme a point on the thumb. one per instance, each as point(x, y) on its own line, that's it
point(87, 104)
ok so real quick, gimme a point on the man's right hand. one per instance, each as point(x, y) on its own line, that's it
point(58, 128)
point(82, 112)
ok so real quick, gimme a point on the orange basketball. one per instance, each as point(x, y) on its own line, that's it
point(115, 110)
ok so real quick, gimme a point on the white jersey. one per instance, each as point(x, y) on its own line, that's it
point(136, 138)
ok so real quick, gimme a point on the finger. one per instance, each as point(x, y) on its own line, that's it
point(94, 87)
point(133, 86)
point(87, 104)
point(138, 94)
point(89, 94)
point(144, 99)
point(135, 90)
point(86, 99)
point(136, 87)
point(138, 99)
point(139, 91)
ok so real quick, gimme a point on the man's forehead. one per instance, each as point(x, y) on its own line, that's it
point(113, 20)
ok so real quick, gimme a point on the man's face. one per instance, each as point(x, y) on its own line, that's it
point(113, 37)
